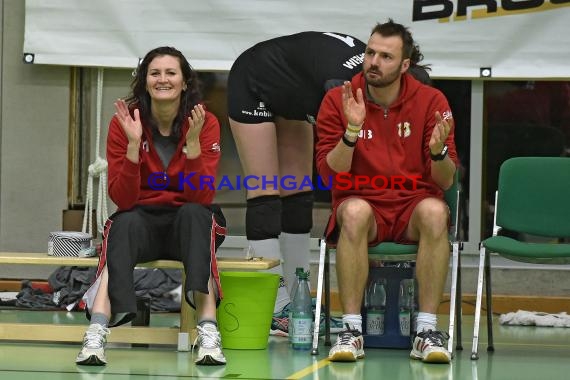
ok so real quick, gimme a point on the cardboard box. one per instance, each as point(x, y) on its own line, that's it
point(73, 221)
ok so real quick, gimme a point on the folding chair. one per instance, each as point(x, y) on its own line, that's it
point(532, 198)
point(390, 251)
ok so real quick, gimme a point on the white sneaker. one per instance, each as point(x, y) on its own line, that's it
point(429, 347)
point(348, 347)
point(93, 350)
point(209, 345)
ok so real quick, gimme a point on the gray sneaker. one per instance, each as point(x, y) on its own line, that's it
point(93, 350)
point(209, 345)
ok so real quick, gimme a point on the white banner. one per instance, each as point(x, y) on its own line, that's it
point(515, 38)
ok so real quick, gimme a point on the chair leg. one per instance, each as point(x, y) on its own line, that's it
point(489, 297)
point(459, 303)
point(322, 252)
point(474, 348)
point(452, 297)
point(143, 316)
point(327, 279)
point(187, 321)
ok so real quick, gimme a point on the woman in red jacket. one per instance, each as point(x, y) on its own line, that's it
point(162, 149)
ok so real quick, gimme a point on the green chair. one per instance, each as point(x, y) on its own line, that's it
point(390, 251)
point(532, 198)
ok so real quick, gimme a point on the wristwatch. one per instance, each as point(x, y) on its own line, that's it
point(347, 142)
point(440, 156)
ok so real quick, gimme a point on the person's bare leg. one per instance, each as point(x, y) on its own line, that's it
point(257, 149)
point(94, 340)
point(295, 151)
point(355, 218)
point(428, 225)
point(206, 304)
point(102, 303)
point(357, 225)
point(209, 338)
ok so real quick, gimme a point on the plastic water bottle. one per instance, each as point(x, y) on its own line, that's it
point(295, 286)
point(301, 323)
point(415, 307)
point(298, 272)
point(376, 297)
point(405, 301)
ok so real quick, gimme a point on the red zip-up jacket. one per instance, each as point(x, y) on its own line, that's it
point(394, 142)
point(193, 180)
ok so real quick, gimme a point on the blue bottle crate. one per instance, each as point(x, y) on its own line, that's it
point(392, 338)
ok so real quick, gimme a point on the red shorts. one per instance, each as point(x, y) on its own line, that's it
point(392, 219)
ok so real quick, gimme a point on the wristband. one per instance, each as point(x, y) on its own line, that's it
point(354, 128)
point(351, 134)
point(347, 142)
point(440, 156)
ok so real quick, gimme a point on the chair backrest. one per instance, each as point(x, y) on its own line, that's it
point(534, 196)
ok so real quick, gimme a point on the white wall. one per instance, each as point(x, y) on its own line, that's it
point(33, 136)
point(34, 124)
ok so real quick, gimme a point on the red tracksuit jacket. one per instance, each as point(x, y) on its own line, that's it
point(394, 142)
point(133, 184)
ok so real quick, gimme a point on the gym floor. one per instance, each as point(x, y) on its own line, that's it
point(521, 352)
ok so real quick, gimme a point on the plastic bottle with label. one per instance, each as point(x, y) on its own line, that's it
point(301, 323)
point(298, 272)
point(405, 301)
point(415, 307)
point(376, 307)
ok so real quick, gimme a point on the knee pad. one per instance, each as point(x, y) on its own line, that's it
point(297, 215)
point(263, 217)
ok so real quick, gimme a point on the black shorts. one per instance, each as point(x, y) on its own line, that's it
point(288, 76)
point(244, 103)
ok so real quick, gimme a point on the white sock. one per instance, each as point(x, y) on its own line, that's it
point(426, 321)
point(296, 254)
point(269, 249)
point(353, 320)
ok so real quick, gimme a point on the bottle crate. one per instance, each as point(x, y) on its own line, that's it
point(392, 337)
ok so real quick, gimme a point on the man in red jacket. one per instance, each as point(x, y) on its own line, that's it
point(393, 138)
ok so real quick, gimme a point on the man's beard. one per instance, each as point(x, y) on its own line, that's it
point(386, 80)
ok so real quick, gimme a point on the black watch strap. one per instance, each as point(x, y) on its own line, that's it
point(440, 156)
point(347, 142)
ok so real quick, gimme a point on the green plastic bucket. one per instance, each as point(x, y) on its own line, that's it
point(244, 315)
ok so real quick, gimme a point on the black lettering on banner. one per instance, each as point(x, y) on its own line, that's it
point(462, 6)
point(436, 9)
point(420, 14)
point(510, 5)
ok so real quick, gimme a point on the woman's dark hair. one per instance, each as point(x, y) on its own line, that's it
point(140, 98)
